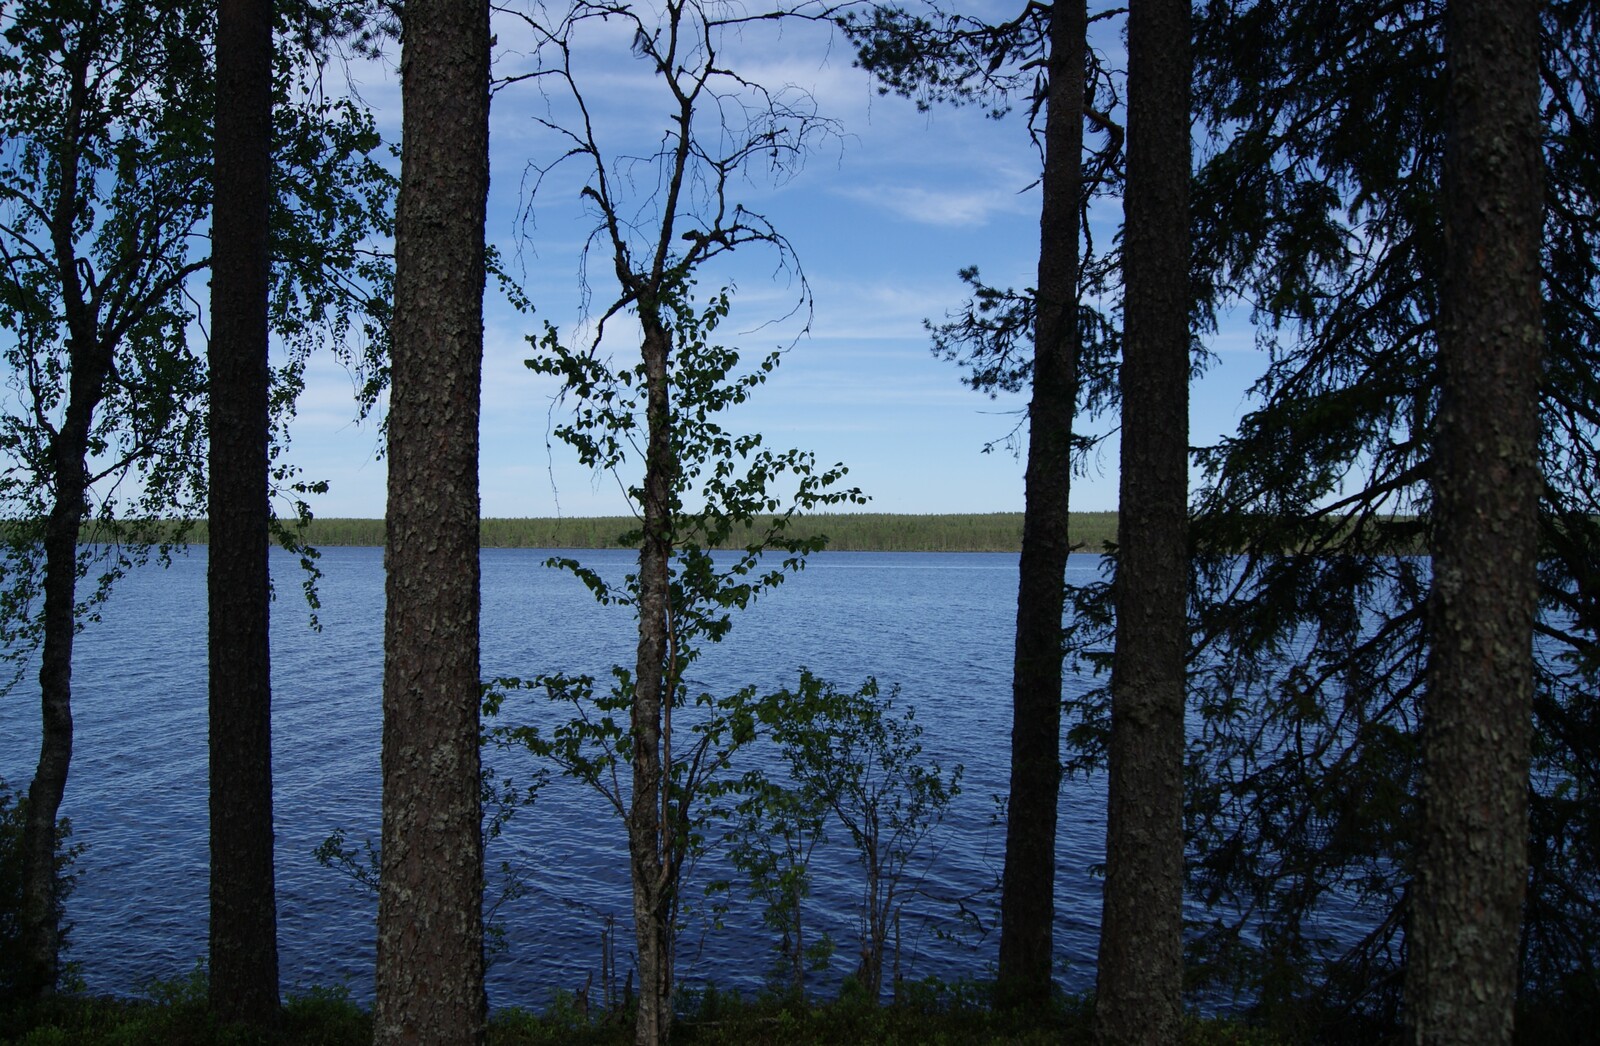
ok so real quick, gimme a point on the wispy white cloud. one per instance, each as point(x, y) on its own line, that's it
point(949, 208)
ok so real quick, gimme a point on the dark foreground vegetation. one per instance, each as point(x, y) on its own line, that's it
point(176, 1014)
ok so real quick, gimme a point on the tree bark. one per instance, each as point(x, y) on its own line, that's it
point(430, 906)
point(1027, 900)
point(652, 858)
point(1139, 998)
point(1462, 975)
point(244, 944)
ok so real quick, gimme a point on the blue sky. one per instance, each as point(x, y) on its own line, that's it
point(881, 217)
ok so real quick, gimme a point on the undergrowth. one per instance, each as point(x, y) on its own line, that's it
point(931, 1013)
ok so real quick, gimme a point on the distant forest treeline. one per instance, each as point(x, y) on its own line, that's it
point(861, 532)
point(852, 532)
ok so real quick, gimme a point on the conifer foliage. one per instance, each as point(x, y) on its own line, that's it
point(1311, 637)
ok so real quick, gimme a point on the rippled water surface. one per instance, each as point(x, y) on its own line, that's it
point(938, 625)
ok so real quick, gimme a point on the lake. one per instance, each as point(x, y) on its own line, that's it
point(939, 626)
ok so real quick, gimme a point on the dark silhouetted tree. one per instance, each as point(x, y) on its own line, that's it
point(243, 926)
point(1472, 872)
point(1139, 996)
point(1310, 581)
point(1043, 340)
point(1027, 892)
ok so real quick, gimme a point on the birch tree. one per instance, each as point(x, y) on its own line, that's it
point(659, 220)
point(105, 190)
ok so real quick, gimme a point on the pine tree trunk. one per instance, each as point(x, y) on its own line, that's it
point(1140, 991)
point(1027, 899)
point(1463, 969)
point(651, 855)
point(244, 945)
point(430, 904)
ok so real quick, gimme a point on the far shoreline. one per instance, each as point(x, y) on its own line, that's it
point(1001, 532)
point(846, 532)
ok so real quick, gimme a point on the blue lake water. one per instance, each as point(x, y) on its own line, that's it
point(938, 625)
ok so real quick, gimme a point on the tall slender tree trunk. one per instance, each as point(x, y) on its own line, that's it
point(90, 362)
point(1462, 976)
point(430, 902)
point(244, 932)
point(1027, 899)
point(40, 915)
point(652, 860)
point(1140, 990)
